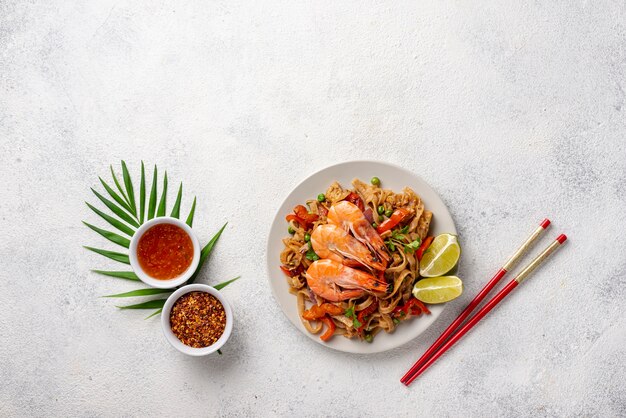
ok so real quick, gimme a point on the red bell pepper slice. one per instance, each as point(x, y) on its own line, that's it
point(420, 251)
point(302, 216)
point(398, 216)
point(365, 313)
point(356, 199)
point(330, 330)
point(411, 307)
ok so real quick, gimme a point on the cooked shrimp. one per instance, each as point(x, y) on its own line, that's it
point(349, 217)
point(335, 243)
point(326, 278)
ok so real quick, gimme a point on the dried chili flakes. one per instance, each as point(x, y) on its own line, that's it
point(198, 319)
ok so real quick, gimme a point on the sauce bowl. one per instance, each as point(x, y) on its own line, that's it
point(167, 327)
point(145, 277)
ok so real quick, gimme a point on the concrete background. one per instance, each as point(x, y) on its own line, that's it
point(512, 112)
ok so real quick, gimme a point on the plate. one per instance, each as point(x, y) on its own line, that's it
point(392, 177)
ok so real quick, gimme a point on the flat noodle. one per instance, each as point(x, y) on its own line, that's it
point(402, 270)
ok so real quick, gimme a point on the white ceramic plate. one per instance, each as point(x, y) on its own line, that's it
point(392, 177)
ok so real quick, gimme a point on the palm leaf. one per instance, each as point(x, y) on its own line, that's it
point(116, 209)
point(111, 236)
point(205, 253)
point(119, 225)
point(161, 210)
point(176, 208)
point(151, 304)
point(158, 311)
point(191, 213)
point(142, 195)
point(128, 183)
point(226, 283)
point(127, 275)
point(153, 195)
point(117, 184)
point(139, 292)
point(122, 258)
point(115, 196)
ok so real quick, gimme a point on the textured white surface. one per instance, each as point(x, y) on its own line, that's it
point(511, 112)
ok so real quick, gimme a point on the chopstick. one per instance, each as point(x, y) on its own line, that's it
point(523, 275)
point(507, 266)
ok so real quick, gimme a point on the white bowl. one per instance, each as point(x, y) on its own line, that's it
point(151, 281)
point(167, 327)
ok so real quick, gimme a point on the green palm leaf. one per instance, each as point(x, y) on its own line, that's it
point(142, 195)
point(111, 236)
point(130, 191)
point(139, 292)
point(153, 195)
point(176, 208)
point(117, 184)
point(151, 304)
point(122, 258)
point(116, 209)
point(158, 311)
point(115, 196)
point(161, 210)
point(119, 225)
point(226, 283)
point(205, 253)
point(191, 213)
point(126, 275)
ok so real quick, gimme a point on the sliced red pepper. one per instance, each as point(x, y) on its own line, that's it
point(330, 330)
point(300, 221)
point(420, 251)
point(398, 216)
point(303, 213)
point(356, 199)
point(365, 313)
point(292, 273)
point(411, 307)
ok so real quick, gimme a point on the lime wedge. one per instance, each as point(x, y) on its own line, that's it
point(438, 289)
point(441, 256)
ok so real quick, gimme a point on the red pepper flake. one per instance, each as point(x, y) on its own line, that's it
point(198, 319)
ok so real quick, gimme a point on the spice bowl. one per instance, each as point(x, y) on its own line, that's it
point(166, 321)
point(192, 247)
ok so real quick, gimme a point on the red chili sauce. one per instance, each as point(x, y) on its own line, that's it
point(165, 251)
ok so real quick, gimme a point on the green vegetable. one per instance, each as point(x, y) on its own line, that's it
point(374, 224)
point(375, 181)
point(310, 255)
point(390, 245)
point(388, 213)
point(396, 321)
point(321, 197)
point(307, 237)
point(291, 230)
point(369, 338)
point(381, 209)
point(356, 323)
point(380, 219)
point(349, 312)
point(412, 246)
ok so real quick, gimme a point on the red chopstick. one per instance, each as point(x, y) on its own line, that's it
point(510, 263)
point(490, 305)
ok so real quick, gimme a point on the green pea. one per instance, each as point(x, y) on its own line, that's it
point(307, 237)
point(369, 338)
point(388, 213)
point(374, 224)
point(291, 230)
point(375, 181)
point(381, 209)
point(321, 197)
point(380, 219)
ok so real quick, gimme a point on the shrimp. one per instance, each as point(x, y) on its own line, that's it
point(335, 243)
point(326, 278)
point(349, 217)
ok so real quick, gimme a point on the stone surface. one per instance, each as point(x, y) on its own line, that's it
point(512, 112)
